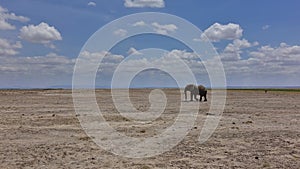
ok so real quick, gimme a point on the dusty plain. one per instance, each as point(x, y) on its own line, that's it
point(40, 129)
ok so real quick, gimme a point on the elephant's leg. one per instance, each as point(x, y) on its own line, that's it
point(192, 96)
point(195, 96)
point(205, 96)
point(200, 98)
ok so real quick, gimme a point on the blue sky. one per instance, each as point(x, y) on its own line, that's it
point(258, 41)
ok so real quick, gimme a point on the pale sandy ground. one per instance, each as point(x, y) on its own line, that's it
point(39, 129)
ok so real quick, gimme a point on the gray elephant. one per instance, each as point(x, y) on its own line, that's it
point(195, 90)
point(202, 92)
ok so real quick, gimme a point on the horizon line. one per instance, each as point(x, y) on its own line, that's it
point(209, 88)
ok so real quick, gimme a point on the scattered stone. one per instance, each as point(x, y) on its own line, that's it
point(248, 122)
point(145, 167)
point(84, 138)
point(235, 128)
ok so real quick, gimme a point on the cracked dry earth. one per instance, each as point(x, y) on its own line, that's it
point(39, 129)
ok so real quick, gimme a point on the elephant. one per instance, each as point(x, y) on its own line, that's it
point(202, 92)
point(195, 90)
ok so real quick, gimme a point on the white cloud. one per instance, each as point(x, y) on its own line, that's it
point(265, 65)
point(144, 3)
point(94, 57)
point(5, 25)
point(233, 50)
point(5, 16)
point(49, 64)
point(265, 27)
point(110, 61)
point(42, 33)
point(157, 27)
point(139, 23)
point(120, 32)
point(262, 66)
point(89, 60)
point(112, 58)
point(218, 32)
point(182, 54)
point(91, 3)
point(282, 55)
point(36, 71)
point(7, 48)
point(240, 44)
point(133, 51)
point(175, 61)
point(164, 29)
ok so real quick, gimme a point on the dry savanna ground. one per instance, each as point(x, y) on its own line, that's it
point(40, 129)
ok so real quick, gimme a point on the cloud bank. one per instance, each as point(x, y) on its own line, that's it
point(144, 3)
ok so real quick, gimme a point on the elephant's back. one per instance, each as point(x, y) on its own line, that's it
point(201, 88)
point(190, 87)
